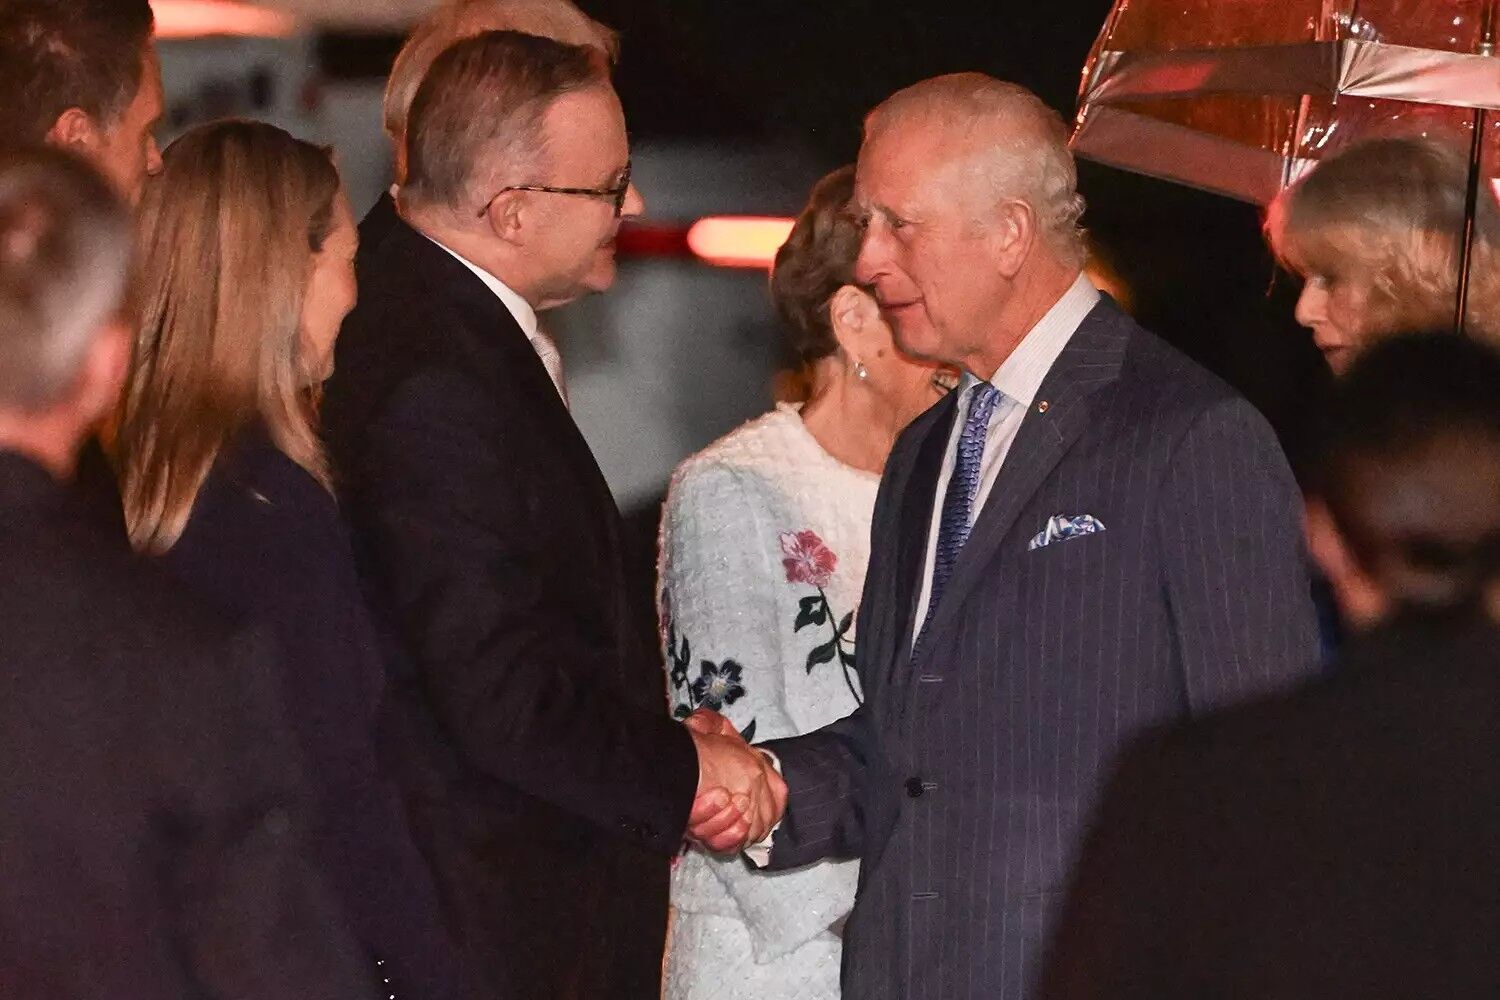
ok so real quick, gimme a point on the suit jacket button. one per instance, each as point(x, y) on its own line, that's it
point(915, 788)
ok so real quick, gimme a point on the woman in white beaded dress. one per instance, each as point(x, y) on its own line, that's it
point(764, 545)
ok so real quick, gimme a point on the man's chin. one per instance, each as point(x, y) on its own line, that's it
point(601, 276)
point(917, 340)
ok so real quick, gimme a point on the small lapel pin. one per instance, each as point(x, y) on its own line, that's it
point(1043, 406)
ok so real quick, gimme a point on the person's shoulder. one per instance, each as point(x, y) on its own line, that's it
point(747, 468)
point(1161, 388)
point(134, 607)
point(758, 450)
point(1156, 371)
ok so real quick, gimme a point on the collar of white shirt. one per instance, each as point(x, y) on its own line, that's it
point(518, 307)
point(1020, 377)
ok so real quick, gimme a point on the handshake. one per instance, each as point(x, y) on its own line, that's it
point(740, 794)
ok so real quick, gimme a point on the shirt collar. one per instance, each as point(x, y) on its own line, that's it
point(518, 307)
point(1020, 377)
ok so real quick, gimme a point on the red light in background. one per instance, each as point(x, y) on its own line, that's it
point(200, 18)
point(738, 241)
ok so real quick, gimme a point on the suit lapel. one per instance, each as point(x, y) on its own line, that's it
point(1091, 361)
point(515, 366)
point(917, 489)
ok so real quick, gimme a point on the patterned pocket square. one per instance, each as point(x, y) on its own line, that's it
point(1060, 529)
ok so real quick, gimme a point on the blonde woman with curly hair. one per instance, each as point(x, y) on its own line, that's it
point(247, 271)
point(1376, 232)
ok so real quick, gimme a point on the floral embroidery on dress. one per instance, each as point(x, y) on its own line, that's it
point(716, 686)
point(809, 561)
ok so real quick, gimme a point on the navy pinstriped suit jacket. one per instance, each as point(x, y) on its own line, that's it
point(964, 779)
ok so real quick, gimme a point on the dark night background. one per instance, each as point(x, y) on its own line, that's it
point(1195, 262)
point(806, 72)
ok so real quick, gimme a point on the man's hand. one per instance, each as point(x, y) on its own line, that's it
point(740, 795)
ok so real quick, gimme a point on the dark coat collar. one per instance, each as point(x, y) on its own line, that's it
point(25, 484)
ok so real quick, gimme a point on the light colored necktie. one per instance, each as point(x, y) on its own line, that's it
point(546, 349)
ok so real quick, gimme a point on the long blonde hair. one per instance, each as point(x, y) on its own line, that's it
point(227, 237)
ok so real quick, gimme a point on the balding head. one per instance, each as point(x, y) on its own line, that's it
point(969, 202)
point(458, 20)
point(1004, 141)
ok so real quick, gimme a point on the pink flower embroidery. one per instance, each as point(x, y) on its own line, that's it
point(807, 559)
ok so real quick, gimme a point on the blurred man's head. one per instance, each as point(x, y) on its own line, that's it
point(1404, 512)
point(519, 161)
point(83, 75)
point(457, 20)
point(65, 245)
point(968, 195)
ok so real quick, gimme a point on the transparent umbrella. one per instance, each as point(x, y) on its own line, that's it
point(1242, 97)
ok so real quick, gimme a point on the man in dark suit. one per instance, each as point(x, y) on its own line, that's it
point(547, 785)
point(452, 22)
point(1344, 840)
point(152, 802)
point(1090, 534)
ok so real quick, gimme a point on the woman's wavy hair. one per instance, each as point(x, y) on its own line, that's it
point(1392, 210)
point(227, 236)
point(815, 262)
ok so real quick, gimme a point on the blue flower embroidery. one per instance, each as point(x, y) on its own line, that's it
point(718, 684)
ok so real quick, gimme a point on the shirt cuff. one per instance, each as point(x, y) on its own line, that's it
point(759, 854)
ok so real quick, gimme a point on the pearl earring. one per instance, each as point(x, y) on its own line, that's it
point(861, 372)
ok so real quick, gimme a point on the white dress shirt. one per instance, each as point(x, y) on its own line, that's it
point(525, 318)
point(1018, 380)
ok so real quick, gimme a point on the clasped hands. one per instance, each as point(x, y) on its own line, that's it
point(740, 794)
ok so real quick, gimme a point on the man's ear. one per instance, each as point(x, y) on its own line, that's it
point(76, 131)
point(1013, 236)
point(512, 216)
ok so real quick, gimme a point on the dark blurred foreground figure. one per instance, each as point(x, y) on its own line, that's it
point(224, 478)
point(151, 842)
point(1342, 841)
point(83, 76)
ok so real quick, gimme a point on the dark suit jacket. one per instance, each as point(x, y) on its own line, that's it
point(1343, 841)
point(377, 224)
point(265, 544)
point(152, 800)
point(549, 786)
point(964, 778)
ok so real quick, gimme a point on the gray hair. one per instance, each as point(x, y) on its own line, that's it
point(479, 114)
point(459, 19)
point(65, 245)
point(1020, 147)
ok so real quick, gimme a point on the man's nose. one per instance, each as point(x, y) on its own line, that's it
point(634, 204)
point(872, 259)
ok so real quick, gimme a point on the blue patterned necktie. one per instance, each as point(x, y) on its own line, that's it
point(958, 502)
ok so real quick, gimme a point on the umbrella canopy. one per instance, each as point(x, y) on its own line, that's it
point(1241, 97)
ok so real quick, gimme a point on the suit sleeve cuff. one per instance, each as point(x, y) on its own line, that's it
point(759, 853)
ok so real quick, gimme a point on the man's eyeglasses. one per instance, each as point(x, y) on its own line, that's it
point(615, 194)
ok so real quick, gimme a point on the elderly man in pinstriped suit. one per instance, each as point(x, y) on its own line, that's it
point(1092, 534)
